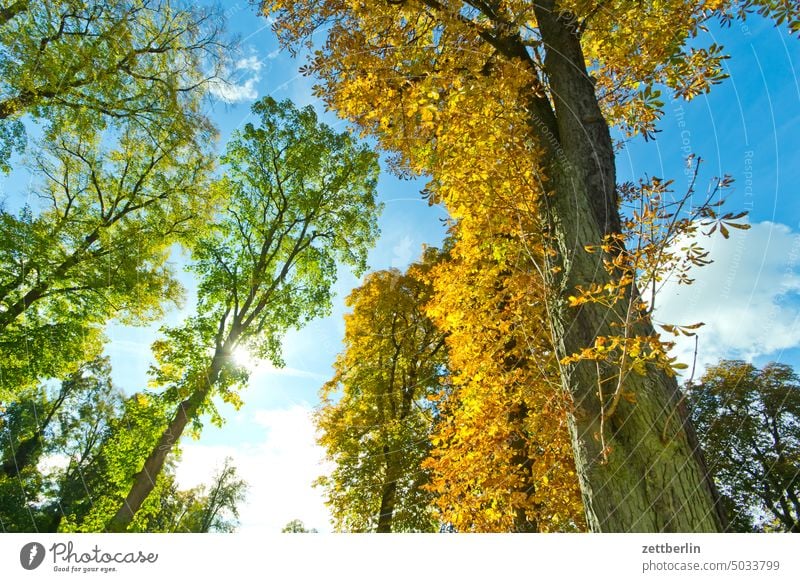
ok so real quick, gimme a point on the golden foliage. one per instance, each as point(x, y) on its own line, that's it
point(502, 458)
point(658, 243)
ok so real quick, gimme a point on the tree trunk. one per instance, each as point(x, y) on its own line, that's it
point(389, 494)
point(387, 507)
point(144, 481)
point(653, 477)
point(30, 449)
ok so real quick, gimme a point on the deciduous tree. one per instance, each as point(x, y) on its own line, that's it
point(51, 440)
point(748, 421)
point(90, 63)
point(97, 247)
point(206, 508)
point(375, 419)
point(116, 88)
point(30, 423)
point(297, 526)
point(435, 80)
point(501, 459)
point(300, 198)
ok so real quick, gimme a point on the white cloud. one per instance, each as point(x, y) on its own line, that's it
point(251, 63)
point(279, 471)
point(241, 89)
point(403, 253)
point(232, 92)
point(746, 298)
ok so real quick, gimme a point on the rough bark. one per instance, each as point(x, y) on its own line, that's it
point(387, 507)
point(646, 483)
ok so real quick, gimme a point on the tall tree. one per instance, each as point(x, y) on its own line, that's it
point(297, 526)
point(375, 419)
point(116, 88)
point(67, 454)
point(49, 438)
point(749, 423)
point(86, 493)
point(300, 198)
point(433, 80)
point(46, 414)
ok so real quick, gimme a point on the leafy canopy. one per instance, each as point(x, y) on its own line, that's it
point(96, 248)
point(86, 64)
point(115, 90)
point(300, 199)
point(749, 423)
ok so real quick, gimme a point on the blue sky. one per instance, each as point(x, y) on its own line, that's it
point(749, 298)
point(746, 127)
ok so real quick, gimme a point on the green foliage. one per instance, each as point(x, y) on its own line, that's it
point(19, 494)
point(12, 138)
point(120, 174)
point(66, 455)
point(85, 64)
point(202, 509)
point(97, 248)
point(50, 437)
point(95, 489)
point(748, 420)
point(42, 349)
point(300, 199)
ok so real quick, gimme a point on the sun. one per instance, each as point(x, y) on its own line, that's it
point(242, 357)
